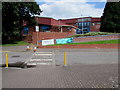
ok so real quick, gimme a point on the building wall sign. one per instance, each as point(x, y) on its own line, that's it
point(48, 42)
point(64, 40)
point(37, 28)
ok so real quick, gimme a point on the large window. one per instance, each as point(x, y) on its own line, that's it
point(46, 28)
point(25, 30)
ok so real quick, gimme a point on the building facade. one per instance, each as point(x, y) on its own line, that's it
point(84, 25)
point(50, 28)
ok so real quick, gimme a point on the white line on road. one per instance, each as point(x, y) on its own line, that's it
point(41, 60)
point(42, 54)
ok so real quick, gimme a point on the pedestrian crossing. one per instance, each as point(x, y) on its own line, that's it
point(42, 58)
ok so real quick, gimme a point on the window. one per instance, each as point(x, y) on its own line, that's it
point(79, 20)
point(88, 19)
point(84, 23)
point(93, 24)
point(87, 23)
point(98, 23)
point(25, 30)
point(79, 24)
point(45, 28)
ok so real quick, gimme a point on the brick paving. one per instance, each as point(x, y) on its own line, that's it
point(72, 76)
point(82, 75)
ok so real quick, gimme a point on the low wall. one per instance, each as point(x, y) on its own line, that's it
point(95, 38)
point(112, 46)
point(50, 35)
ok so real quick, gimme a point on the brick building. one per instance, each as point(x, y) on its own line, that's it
point(86, 24)
point(50, 28)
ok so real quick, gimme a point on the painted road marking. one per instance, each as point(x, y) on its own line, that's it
point(31, 64)
point(42, 54)
point(12, 51)
point(41, 60)
point(43, 63)
point(38, 64)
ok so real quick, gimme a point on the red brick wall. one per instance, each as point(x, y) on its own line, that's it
point(95, 28)
point(97, 38)
point(49, 35)
point(46, 21)
point(95, 46)
point(27, 38)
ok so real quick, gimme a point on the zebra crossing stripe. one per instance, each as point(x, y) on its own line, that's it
point(41, 60)
point(31, 64)
point(42, 54)
point(43, 63)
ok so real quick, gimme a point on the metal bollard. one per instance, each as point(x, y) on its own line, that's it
point(65, 60)
point(6, 54)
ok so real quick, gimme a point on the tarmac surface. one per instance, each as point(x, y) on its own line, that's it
point(74, 56)
point(86, 68)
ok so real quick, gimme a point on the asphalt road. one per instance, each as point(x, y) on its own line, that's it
point(74, 56)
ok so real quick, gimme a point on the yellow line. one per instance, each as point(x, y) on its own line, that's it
point(5, 51)
point(12, 51)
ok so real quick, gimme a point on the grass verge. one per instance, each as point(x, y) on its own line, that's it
point(93, 42)
point(17, 43)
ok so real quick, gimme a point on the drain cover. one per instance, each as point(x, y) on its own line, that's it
point(16, 56)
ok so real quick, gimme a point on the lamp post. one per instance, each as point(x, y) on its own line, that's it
point(37, 30)
point(82, 26)
point(60, 27)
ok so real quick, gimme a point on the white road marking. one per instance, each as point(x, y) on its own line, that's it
point(41, 60)
point(42, 54)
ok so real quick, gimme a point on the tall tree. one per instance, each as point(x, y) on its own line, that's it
point(13, 15)
point(110, 21)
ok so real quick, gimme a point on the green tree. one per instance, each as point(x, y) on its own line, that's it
point(110, 21)
point(13, 15)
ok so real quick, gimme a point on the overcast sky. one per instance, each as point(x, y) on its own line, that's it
point(63, 9)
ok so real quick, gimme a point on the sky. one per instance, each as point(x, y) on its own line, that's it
point(65, 9)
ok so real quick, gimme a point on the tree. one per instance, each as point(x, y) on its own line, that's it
point(110, 21)
point(13, 15)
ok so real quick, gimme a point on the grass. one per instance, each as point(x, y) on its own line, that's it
point(92, 42)
point(17, 43)
point(92, 34)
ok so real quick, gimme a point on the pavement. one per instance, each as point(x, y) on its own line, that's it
point(86, 68)
point(74, 76)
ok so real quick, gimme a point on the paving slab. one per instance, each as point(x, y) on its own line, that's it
point(72, 76)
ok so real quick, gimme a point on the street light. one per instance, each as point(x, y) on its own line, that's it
point(60, 27)
point(37, 30)
point(82, 26)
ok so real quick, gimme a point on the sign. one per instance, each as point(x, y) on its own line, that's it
point(37, 28)
point(47, 42)
point(64, 40)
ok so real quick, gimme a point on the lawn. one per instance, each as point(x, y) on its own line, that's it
point(17, 43)
point(93, 42)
